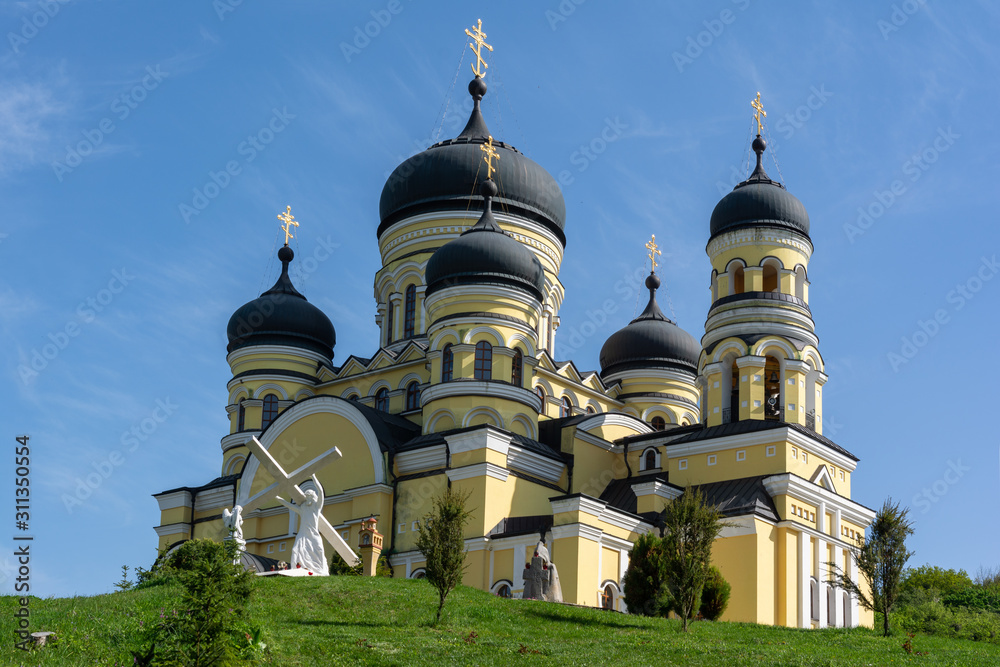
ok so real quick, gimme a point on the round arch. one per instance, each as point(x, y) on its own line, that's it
point(473, 335)
point(270, 386)
point(482, 411)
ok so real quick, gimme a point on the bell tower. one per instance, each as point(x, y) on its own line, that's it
point(760, 356)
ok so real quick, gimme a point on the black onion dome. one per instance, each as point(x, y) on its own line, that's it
point(651, 340)
point(443, 178)
point(759, 201)
point(282, 316)
point(485, 254)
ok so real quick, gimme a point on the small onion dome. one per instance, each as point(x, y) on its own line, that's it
point(282, 316)
point(759, 202)
point(443, 178)
point(485, 254)
point(650, 341)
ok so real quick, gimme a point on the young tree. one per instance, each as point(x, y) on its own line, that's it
point(645, 579)
point(691, 529)
point(881, 559)
point(442, 543)
point(715, 595)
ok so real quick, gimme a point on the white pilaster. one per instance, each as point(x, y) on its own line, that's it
point(822, 554)
point(838, 595)
point(804, 568)
point(520, 558)
point(852, 567)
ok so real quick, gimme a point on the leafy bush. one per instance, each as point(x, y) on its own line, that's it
point(715, 595)
point(339, 567)
point(932, 577)
point(975, 597)
point(645, 579)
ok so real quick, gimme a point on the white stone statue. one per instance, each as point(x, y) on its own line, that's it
point(541, 578)
point(234, 522)
point(307, 551)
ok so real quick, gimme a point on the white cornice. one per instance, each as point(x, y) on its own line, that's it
point(751, 361)
point(480, 388)
point(533, 464)
point(216, 498)
point(254, 350)
point(578, 504)
point(238, 439)
point(656, 488)
point(592, 439)
point(173, 529)
point(799, 488)
point(758, 236)
point(478, 470)
point(614, 419)
point(480, 290)
point(421, 459)
point(169, 501)
point(577, 530)
point(481, 438)
point(754, 324)
point(275, 377)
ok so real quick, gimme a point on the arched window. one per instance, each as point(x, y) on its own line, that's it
point(353, 397)
point(484, 361)
point(410, 312)
point(608, 597)
point(771, 282)
point(715, 285)
point(813, 599)
point(591, 410)
point(541, 394)
point(270, 410)
point(389, 311)
point(447, 363)
point(242, 416)
point(772, 390)
point(736, 282)
point(565, 407)
point(800, 282)
point(659, 423)
point(732, 412)
point(382, 400)
point(503, 591)
point(649, 459)
point(413, 395)
point(517, 368)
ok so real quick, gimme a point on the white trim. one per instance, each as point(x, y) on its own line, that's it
point(479, 388)
point(275, 349)
point(614, 419)
point(274, 376)
point(656, 488)
point(792, 485)
point(478, 470)
point(580, 530)
point(592, 439)
point(739, 526)
point(174, 500)
point(259, 392)
point(212, 499)
point(534, 464)
point(428, 458)
point(495, 417)
point(173, 529)
point(481, 438)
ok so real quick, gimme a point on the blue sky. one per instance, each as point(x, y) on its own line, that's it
point(115, 115)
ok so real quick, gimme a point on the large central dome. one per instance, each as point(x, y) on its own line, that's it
point(445, 177)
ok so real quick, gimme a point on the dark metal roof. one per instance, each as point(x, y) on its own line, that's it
point(444, 177)
point(759, 202)
point(651, 340)
point(619, 494)
point(282, 316)
point(214, 484)
point(521, 525)
point(432, 439)
point(753, 426)
point(736, 497)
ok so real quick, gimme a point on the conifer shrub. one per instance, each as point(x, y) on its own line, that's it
point(645, 579)
point(714, 595)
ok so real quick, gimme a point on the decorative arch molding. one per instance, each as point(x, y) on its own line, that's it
point(761, 347)
point(443, 337)
point(351, 390)
point(470, 336)
point(544, 384)
point(436, 417)
point(399, 275)
point(408, 378)
point(495, 588)
point(813, 357)
point(419, 573)
point(733, 344)
point(631, 412)
point(234, 465)
point(303, 394)
point(616, 592)
point(591, 403)
point(270, 386)
point(615, 419)
point(329, 405)
point(239, 392)
point(573, 400)
point(691, 419)
point(529, 346)
point(662, 411)
point(380, 384)
point(771, 259)
point(529, 426)
point(489, 412)
point(733, 263)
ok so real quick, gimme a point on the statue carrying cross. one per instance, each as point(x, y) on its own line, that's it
point(479, 67)
point(491, 154)
point(653, 252)
point(285, 486)
point(289, 221)
point(758, 112)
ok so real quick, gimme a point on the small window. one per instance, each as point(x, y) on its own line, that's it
point(649, 459)
point(741, 455)
point(805, 457)
point(353, 397)
point(608, 597)
point(682, 464)
point(484, 361)
point(410, 311)
point(769, 451)
point(504, 591)
point(659, 423)
point(541, 394)
point(413, 395)
point(565, 407)
point(517, 369)
point(382, 400)
point(591, 410)
point(241, 417)
point(712, 459)
point(447, 363)
point(270, 410)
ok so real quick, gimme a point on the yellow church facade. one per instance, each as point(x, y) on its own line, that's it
point(465, 390)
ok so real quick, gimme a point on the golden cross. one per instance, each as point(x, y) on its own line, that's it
point(758, 112)
point(491, 153)
point(653, 252)
point(480, 66)
point(289, 221)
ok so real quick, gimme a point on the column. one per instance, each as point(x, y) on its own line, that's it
point(822, 554)
point(805, 569)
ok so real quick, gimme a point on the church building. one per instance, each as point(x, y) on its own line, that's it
point(465, 388)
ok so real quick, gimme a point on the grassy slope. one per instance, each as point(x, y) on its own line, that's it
point(349, 620)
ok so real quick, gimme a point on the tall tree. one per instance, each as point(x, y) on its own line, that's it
point(645, 579)
point(442, 543)
point(881, 560)
point(691, 527)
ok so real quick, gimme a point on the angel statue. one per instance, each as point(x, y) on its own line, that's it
point(234, 522)
point(307, 551)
